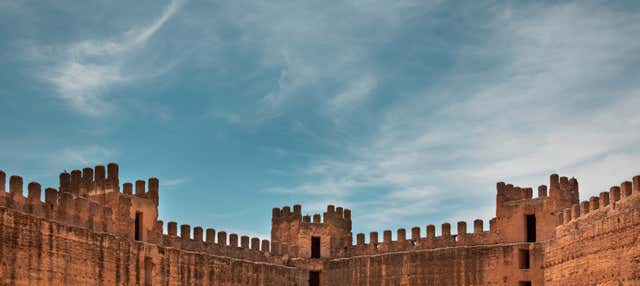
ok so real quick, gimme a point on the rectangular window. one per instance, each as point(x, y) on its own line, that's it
point(315, 247)
point(138, 226)
point(524, 283)
point(531, 228)
point(525, 259)
point(314, 278)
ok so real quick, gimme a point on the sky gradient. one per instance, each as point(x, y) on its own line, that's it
point(407, 112)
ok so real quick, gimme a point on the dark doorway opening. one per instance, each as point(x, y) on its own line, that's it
point(531, 228)
point(315, 247)
point(138, 226)
point(524, 259)
point(524, 283)
point(314, 278)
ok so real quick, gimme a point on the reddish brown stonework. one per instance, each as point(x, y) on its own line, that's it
point(90, 232)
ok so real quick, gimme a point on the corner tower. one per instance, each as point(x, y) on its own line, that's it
point(310, 236)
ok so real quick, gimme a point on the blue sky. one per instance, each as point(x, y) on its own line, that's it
point(407, 112)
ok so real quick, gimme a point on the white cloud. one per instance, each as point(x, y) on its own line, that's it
point(88, 68)
point(81, 156)
point(559, 102)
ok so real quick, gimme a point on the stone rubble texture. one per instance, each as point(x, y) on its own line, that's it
point(94, 231)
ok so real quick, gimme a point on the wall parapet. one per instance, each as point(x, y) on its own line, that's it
point(598, 206)
point(418, 241)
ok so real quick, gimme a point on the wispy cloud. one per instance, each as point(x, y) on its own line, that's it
point(89, 68)
point(560, 100)
point(81, 156)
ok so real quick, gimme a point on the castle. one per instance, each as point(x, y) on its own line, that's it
point(94, 231)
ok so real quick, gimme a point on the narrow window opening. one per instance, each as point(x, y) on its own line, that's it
point(531, 228)
point(148, 271)
point(314, 278)
point(524, 283)
point(138, 226)
point(525, 259)
point(315, 247)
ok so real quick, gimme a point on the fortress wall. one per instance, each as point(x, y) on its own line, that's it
point(599, 243)
point(477, 265)
point(37, 251)
point(415, 240)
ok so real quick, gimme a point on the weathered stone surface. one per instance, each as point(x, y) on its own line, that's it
point(90, 233)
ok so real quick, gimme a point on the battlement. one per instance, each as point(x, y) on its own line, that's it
point(62, 207)
point(331, 230)
point(599, 205)
point(528, 237)
point(419, 240)
point(208, 240)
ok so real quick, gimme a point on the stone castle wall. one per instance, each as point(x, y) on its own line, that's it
point(36, 251)
point(466, 265)
point(599, 241)
point(92, 232)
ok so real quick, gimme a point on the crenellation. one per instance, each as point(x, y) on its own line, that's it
point(462, 229)
point(172, 229)
point(75, 181)
point(415, 234)
point(210, 236)
point(636, 185)
point(185, 232)
point(584, 207)
point(112, 173)
point(127, 188)
point(401, 234)
point(140, 188)
point(15, 187)
point(255, 244)
point(386, 236)
point(542, 191)
point(87, 176)
point(3, 182)
point(360, 239)
point(34, 192)
point(233, 240)
point(197, 234)
point(100, 176)
point(65, 182)
point(105, 218)
point(604, 199)
point(244, 241)
point(154, 188)
point(594, 203)
point(614, 194)
point(222, 238)
point(625, 189)
point(446, 230)
point(297, 210)
point(431, 231)
point(478, 226)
